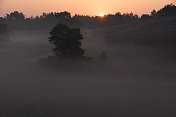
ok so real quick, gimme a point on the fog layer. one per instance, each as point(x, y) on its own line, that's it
point(136, 80)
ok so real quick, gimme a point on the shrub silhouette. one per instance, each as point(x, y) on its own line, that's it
point(67, 41)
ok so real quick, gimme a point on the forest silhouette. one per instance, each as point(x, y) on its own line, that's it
point(48, 20)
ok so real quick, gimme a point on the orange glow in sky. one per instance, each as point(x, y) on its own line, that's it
point(101, 15)
point(85, 7)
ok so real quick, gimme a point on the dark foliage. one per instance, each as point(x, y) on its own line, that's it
point(46, 21)
point(17, 16)
point(67, 41)
point(146, 17)
point(168, 11)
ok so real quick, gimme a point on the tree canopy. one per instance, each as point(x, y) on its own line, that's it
point(15, 16)
point(67, 41)
point(168, 11)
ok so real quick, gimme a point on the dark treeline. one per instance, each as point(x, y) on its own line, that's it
point(47, 20)
point(168, 11)
point(17, 20)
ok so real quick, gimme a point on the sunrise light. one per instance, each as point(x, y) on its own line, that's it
point(101, 15)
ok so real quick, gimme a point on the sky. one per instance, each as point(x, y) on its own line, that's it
point(82, 7)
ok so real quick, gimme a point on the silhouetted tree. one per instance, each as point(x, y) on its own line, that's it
point(154, 13)
point(64, 14)
point(15, 16)
point(67, 41)
point(63, 17)
point(168, 11)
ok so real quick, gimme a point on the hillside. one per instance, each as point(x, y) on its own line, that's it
point(155, 32)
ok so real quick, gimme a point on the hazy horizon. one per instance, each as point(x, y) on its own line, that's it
point(112, 66)
point(34, 8)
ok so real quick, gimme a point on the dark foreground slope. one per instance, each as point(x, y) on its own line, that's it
point(137, 79)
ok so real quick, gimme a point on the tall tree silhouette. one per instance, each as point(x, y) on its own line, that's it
point(67, 41)
point(15, 16)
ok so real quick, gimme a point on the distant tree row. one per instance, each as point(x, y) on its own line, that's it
point(169, 10)
point(48, 20)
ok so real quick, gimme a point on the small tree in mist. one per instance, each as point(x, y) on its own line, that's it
point(67, 41)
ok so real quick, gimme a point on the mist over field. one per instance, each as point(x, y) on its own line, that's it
point(136, 80)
